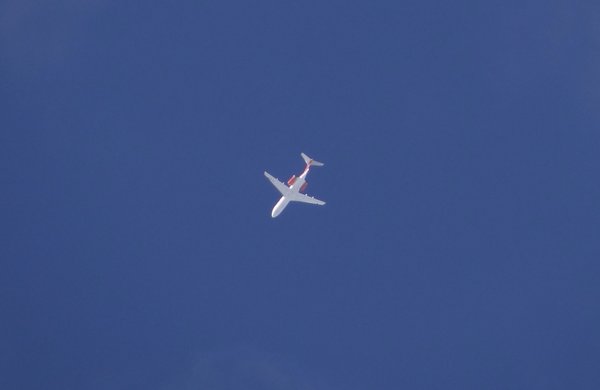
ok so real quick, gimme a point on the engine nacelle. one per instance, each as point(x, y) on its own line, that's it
point(303, 186)
point(292, 180)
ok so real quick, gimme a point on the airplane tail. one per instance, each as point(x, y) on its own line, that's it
point(310, 161)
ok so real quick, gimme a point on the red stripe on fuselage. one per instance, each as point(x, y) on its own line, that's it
point(306, 169)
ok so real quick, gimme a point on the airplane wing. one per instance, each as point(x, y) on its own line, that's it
point(291, 195)
point(285, 191)
point(299, 197)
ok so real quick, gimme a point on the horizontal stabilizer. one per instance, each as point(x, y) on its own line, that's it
point(310, 161)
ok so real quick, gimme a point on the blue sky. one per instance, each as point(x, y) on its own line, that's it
point(458, 248)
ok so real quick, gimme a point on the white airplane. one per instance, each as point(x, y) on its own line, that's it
point(296, 185)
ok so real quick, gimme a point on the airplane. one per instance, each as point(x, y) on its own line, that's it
point(296, 185)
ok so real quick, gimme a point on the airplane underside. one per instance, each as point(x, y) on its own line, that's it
point(293, 193)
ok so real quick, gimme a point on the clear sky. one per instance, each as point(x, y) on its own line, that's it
point(459, 247)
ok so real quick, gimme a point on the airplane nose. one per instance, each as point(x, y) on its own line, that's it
point(276, 211)
point(279, 207)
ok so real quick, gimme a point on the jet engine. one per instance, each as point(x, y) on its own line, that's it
point(292, 180)
point(304, 186)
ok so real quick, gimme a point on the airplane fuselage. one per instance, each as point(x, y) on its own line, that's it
point(297, 184)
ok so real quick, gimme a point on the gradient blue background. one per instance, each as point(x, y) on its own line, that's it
point(459, 247)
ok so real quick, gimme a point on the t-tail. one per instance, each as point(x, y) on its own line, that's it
point(310, 162)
